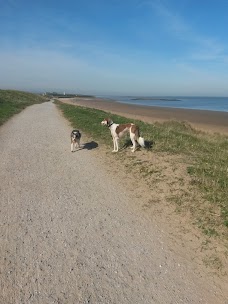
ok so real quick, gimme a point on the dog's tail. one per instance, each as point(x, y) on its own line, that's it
point(139, 138)
point(141, 141)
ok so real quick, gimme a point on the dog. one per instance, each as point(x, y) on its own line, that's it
point(118, 130)
point(75, 139)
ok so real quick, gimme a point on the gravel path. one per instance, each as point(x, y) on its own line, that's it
point(69, 233)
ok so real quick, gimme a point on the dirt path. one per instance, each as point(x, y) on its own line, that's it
point(72, 233)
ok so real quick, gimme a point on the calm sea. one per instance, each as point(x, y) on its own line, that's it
point(198, 103)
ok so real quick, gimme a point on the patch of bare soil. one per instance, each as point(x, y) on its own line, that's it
point(171, 198)
point(166, 194)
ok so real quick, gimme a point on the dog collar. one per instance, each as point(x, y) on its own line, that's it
point(110, 125)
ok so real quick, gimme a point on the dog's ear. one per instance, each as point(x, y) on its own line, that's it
point(108, 120)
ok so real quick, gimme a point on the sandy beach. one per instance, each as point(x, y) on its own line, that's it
point(207, 121)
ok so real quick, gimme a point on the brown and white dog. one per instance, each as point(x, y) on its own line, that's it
point(75, 139)
point(118, 130)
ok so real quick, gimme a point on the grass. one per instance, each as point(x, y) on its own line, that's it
point(207, 156)
point(13, 102)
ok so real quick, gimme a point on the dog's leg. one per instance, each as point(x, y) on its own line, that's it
point(132, 136)
point(134, 146)
point(117, 144)
point(78, 144)
point(116, 139)
point(72, 147)
point(114, 144)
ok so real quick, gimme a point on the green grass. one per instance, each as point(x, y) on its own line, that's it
point(13, 102)
point(207, 155)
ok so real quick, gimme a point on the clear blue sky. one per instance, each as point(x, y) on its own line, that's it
point(135, 47)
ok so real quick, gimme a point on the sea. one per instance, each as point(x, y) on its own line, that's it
point(196, 103)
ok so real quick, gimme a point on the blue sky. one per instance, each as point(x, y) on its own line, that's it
point(133, 47)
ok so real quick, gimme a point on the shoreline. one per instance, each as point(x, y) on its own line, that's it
point(204, 120)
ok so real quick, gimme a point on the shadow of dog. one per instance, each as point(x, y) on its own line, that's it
point(90, 145)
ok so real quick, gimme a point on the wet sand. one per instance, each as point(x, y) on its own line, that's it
point(207, 121)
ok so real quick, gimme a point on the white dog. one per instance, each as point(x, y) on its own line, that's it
point(118, 130)
point(75, 139)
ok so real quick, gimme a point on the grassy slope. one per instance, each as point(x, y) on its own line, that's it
point(12, 102)
point(207, 154)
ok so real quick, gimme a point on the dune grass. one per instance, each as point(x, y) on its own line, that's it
point(12, 102)
point(207, 155)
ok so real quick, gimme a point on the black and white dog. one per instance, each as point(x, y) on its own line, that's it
point(75, 139)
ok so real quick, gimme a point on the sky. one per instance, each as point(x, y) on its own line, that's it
point(115, 47)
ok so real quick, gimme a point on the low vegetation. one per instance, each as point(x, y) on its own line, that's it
point(206, 158)
point(64, 95)
point(12, 102)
